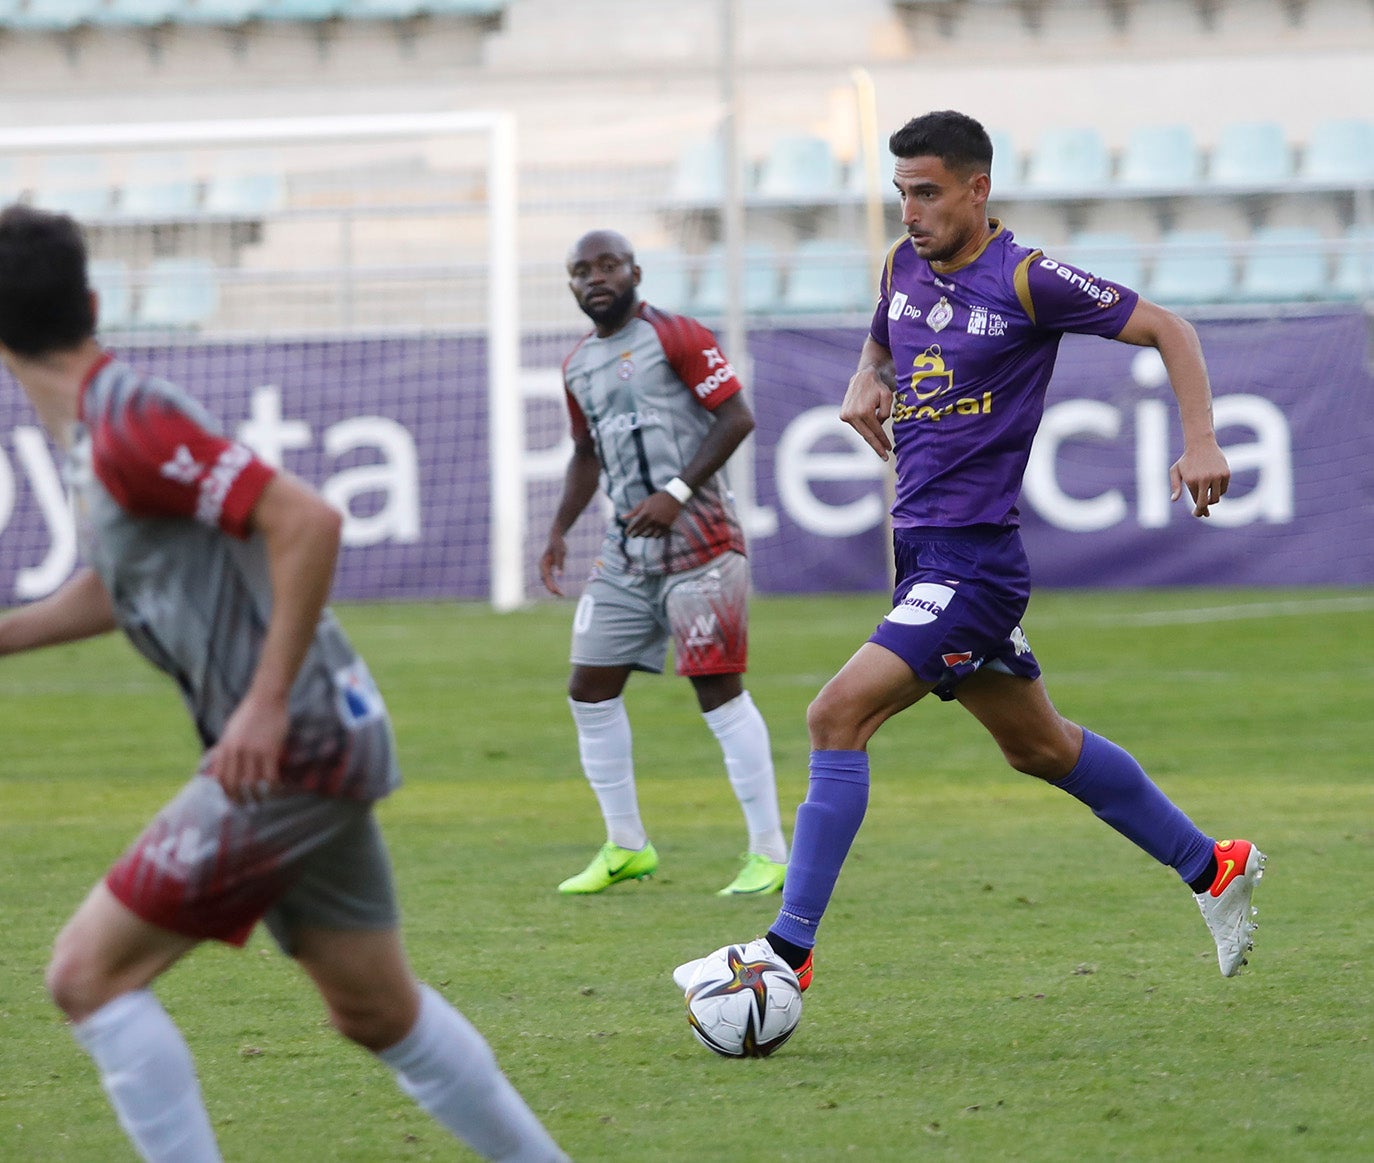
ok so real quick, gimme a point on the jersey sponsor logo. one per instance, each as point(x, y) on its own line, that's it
point(956, 659)
point(703, 631)
point(982, 321)
point(356, 695)
point(1104, 293)
point(183, 467)
point(900, 308)
point(939, 316)
point(713, 358)
point(623, 422)
point(215, 485)
point(723, 375)
point(923, 603)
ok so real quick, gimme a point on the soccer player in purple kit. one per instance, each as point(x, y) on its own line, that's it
point(656, 412)
point(217, 567)
point(959, 355)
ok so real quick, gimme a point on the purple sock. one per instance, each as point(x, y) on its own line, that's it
point(827, 823)
point(1116, 788)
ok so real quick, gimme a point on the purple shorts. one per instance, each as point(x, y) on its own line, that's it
point(958, 604)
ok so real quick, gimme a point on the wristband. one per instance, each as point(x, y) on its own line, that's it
point(679, 490)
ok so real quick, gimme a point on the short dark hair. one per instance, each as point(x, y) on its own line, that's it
point(959, 141)
point(45, 302)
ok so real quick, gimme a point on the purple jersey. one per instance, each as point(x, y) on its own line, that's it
point(163, 505)
point(973, 349)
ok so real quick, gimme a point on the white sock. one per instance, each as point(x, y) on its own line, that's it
point(743, 737)
point(146, 1069)
point(604, 743)
point(446, 1066)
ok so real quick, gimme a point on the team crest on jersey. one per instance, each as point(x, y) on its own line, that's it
point(183, 467)
point(626, 368)
point(939, 315)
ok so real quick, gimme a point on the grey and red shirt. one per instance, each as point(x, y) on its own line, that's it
point(645, 395)
point(973, 350)
point(163, 504)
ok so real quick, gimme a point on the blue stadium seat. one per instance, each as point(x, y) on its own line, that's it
point(1160, 157)
point(829, 277)
point(1193, 266)
point(178, 293)
point(1283, 264)
point(109, 278)
point(137, 13)
point(245, 188)
point(762, 281)
point(855, 181)
point(159, 186)
point(1354, 278)
point(666, 279)
point(799, 168)
point(1006, 163)
point(11, 181)
point(384, 9)
point(221, 13)
point(75, 184)
point(699, 175)
point(51, 15)
point(1340, 150)
point(1251, 153)
point(1109, 254)
point(304, 11)
point(1069, 159)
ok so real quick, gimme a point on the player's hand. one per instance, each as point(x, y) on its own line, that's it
point(1205, 474)
point(551, 563)
point(247, 759)
point(653, 516)
point(867, 406)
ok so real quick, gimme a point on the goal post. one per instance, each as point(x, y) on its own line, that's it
point(506, 510)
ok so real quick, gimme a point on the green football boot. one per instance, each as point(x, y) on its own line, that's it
point(758, 877)
point(611, 865)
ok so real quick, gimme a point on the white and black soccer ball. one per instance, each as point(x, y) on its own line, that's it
point(743, 1001)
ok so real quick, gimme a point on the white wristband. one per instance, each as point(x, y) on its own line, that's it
point(679, 490)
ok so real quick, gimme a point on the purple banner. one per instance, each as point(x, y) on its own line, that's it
point(394, 432)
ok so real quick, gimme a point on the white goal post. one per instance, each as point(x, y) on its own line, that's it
point(507, 513)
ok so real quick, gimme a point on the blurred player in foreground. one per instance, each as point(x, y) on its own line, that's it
point(656, 412)
point(958, 357)
point(217, 567)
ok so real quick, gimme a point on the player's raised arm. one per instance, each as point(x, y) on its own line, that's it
point(301, 534)
point(868, 399)
point(1202, 468)
point(79, 608)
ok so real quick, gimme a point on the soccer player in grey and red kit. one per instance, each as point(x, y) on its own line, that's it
point(217, 568)
point(958, 357)
point(656, 412)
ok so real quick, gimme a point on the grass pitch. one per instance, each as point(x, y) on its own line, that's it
point(999, 977)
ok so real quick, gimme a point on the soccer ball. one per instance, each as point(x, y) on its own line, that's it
point(743, 1001)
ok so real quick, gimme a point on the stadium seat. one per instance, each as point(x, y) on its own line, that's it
point(762, 279)
point(159, 186)
point(137, 13)
point(1193, 266)
point(51, 15)
point(220, 13)
point(855, 180)
point(109, 278)
point(799, 168)
point(1251, 153)
point(304, 11)
point(1069, 159)
point(1006, 163)
point(699, 174)
point(178, 293)
point(1284, 263)
point(1340, 150)
point(1160, 157)
point(11, 183)
point(247, 189)
point(1109, 254)
point(1354, 278)
point(666, 279)
point(75, 184)
point(829, 277)
point(384, 9)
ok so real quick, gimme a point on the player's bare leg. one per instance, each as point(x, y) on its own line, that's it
point(103, 962)
point(438, 1058)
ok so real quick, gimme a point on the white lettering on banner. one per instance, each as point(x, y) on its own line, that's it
point(798, 465)
point(41, 579)
point(1271, 454)
point(266, 433)
point(396, 477)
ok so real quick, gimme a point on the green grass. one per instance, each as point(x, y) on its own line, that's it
point(1000, 977)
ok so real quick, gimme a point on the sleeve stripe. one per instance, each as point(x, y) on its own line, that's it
point(1021, 280)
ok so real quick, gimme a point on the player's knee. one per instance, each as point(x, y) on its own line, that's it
point(373, 1023)
point(1048, 758)
point(73, 982)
